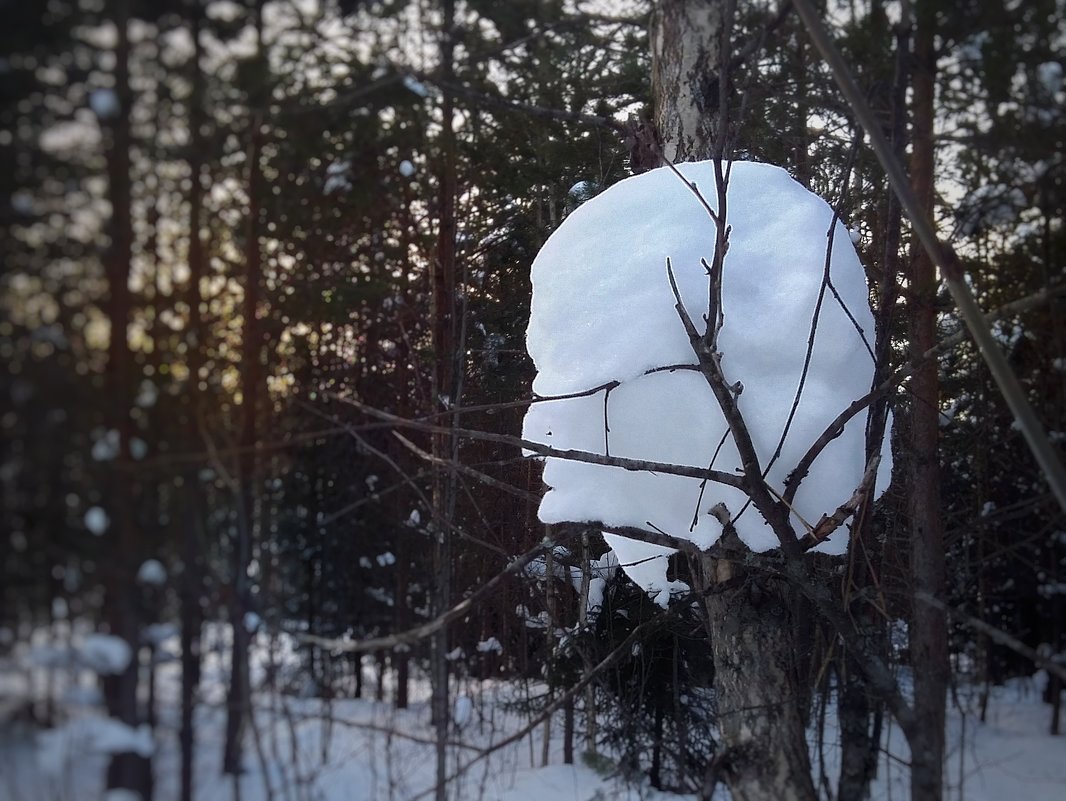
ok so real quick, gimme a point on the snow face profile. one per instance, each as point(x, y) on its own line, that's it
point(603, 312)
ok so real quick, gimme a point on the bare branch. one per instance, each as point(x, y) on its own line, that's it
point(614, 656)
point(729, 479)
point(997, 635)
point(836, 427)
point(466, 470)
point(426, 502)
point(830, 523)
point(753, 483)
point(504, 104)
point(415, 635)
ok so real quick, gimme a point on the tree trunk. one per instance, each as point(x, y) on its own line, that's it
point(685, 50)
point(549, 643)
point(763, 743)
point(192, 569)
point(400, 657)
point(126, 770)
point(238, 696)
point(928, 631)
point(444, 391)
point(763, 746)
point(586, 659)
point(861, 715)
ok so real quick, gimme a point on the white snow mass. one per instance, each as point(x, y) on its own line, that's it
point(338, 178)
point(152, 572)
point(104, 103)
point(1050, 76)
point(96, 520)
point(105, 654)
point(416, 86)
point(603, 311)
point(95, 735)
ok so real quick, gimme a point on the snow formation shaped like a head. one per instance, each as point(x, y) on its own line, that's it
point(603, 311)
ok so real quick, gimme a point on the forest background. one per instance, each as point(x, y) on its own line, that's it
point(307, 215)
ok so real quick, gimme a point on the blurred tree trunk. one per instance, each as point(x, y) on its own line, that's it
point(586, 658)
point(191, 586)
point(238, 696)
point(928, 632)
point(127, 770)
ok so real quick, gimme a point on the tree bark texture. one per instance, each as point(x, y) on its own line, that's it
point(763, 748)
point(928, 631)
point(685, 42)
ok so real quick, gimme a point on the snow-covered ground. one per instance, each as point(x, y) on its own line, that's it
point(362, 750)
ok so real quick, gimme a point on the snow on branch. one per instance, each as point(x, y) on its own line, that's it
point(755, 258)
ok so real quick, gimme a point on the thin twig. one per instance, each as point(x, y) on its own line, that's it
point(836, 427)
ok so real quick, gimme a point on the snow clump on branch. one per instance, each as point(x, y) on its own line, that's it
point(603, 312)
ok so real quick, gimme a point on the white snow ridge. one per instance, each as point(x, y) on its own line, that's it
point(603, 311)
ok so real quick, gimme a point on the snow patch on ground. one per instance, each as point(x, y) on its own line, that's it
point(371, 751)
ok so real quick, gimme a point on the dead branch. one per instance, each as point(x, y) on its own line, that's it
point(753, 483)
point(729, 479)
point(834, 429)
point(830, 523)
point(997, 635)
point(466, 470)
point(416, 634)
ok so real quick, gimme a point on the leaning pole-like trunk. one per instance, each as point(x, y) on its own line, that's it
point(762, 751)
point(860, 714)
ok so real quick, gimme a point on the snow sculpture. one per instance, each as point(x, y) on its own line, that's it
point(603, 312)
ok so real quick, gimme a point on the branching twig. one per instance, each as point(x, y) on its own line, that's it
point(830, 523)
point(834, 429)
point(426, 502)
point(484, 478)
point(774, 513)
point(729, 479)
point(614, 656)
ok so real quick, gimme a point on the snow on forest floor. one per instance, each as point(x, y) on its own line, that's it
point(307, 749)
